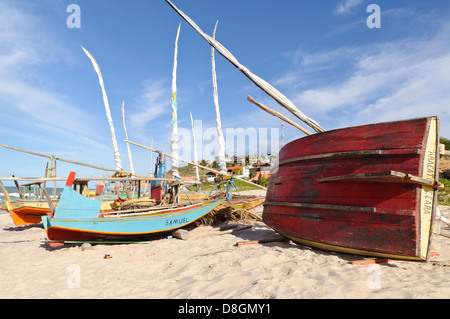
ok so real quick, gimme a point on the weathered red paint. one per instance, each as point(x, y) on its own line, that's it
point(392, 227)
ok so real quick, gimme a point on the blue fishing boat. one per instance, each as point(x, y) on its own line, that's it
point(78, 218)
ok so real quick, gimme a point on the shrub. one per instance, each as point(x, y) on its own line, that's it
point(446, 142)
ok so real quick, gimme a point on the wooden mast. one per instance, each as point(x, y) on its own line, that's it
point(126, 136)
point(277, 114)
point(220, 138)
point(107, 109)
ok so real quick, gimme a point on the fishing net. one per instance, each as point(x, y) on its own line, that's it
point(229, 212)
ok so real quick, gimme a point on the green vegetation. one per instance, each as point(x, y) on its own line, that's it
point(264, 182)
point(241, 186)
point(190, 170)
point(444, 193)
point(446, 142)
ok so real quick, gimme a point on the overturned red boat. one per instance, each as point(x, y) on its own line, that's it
point(368, 190)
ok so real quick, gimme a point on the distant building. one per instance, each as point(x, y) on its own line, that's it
point(265, 168)
point(235, 170)
point(261, 170)
point(210, 176)
point(241, 160)
point(239, 171)
point(252, 159)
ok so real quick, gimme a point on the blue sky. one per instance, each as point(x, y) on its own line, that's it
point(320, 54)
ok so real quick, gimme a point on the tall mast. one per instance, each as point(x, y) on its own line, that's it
point(195, 148)
point(174, 137)
point(108, 111)
point(126, 136)
point(220, 138)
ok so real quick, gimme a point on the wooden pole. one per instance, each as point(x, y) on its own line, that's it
point(181, 234)
point(18, 188)
point(136, 177)
point(279, 115)
point(198, 165)
point(7, 198)
point(86, 179)
point(58, 158)
point(49, 200)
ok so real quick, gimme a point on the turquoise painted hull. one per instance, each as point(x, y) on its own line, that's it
point(63, 229)
point(78, 218)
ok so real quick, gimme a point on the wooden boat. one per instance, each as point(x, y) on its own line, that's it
point(368, 190)
point(26, 211)
point(29, 208)
point(78, 218)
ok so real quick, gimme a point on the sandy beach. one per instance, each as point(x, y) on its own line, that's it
point(210, 265)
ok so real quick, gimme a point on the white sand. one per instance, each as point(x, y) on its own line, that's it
point(208, 265)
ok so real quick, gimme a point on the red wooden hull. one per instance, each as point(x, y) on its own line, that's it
point(367, 190)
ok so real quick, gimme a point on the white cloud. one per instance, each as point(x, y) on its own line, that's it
point(389, 81)
point(344, 7)
point(35, 114)
point(154, 101)
point(424, 92)
point(25, 47)
point(42, 105)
